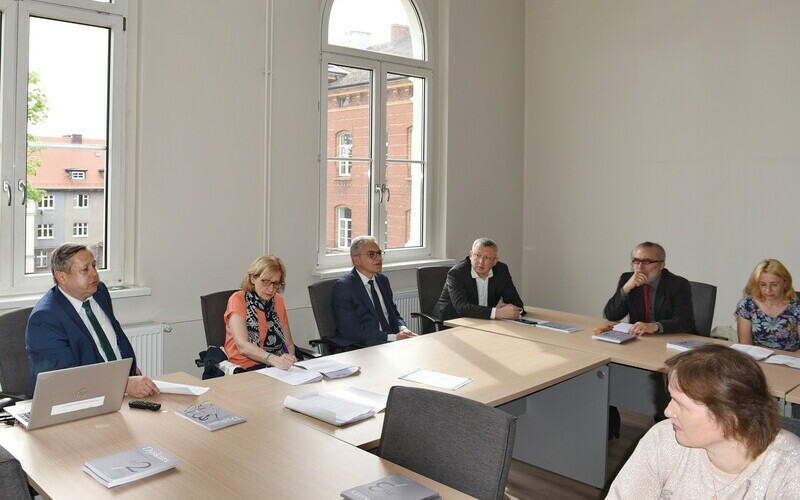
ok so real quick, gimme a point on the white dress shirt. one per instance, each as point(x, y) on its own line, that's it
point(105, 323)
point(483, 289)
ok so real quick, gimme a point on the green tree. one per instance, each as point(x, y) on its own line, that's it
point(37, 112)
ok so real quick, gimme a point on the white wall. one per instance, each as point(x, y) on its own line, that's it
point(674, 122)
point(224, 153)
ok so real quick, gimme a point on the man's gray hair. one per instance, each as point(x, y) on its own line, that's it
point(484, 242)
point(358, 241)
point(61, 258)
point(660, 252)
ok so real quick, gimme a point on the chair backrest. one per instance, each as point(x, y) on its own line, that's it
point(453, 440)
point(14, 371)
point(704, 300)
point(320, 294)
point(12, 477)
point(430, 282)
point(213, 307)
point(791, 424)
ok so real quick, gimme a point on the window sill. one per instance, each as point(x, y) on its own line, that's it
point(118, 292)
point(335, 272)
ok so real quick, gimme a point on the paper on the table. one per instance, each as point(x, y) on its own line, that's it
point(328, 367)
point(782, 359)
point(754, 351)
point(293, 376)
point(329, 409)
point(363, 397)
point(623, 327)
point(171, 388)
point(436, 379)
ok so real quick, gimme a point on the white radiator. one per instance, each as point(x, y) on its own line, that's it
point(147, 340)
point(407, 302)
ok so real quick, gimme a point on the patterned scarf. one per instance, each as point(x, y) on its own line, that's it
point(274, 340)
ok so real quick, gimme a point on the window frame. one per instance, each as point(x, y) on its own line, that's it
point(80, 200)
point(15, 42)
point(381, 65)
point(80, 229)
point(50, 205)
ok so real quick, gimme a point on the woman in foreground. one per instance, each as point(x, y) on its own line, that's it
point(722, 439)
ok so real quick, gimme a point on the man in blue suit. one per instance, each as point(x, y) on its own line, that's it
point(73, 324)
point(362, 302)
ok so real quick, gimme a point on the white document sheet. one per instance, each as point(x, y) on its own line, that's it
point(782, 359)
point(328, 367)
point(293, 376)
point(170, 388)
point(338, 407)
point(754, 351)
point(436, 379)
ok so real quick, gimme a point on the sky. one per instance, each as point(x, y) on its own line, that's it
point(72, 63)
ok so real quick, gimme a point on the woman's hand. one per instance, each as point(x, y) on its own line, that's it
point(284, 361)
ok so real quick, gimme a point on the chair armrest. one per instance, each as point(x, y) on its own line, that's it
point(437, 323)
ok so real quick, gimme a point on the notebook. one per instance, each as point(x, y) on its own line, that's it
point(74, 393)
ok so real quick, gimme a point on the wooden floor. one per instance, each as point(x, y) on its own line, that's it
point(526, 482)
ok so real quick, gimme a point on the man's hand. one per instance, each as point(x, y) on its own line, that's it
point(284, 361)
point(405, 334)
point(141, 387)
point(637, 279)
point(642, 328)
point(508, 311)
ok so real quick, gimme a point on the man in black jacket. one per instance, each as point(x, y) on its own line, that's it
point(655, 300)
point(475, 286)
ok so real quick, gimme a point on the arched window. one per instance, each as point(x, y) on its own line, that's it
point(376, 99)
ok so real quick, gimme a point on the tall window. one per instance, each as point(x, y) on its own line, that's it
point(81, 200)
point(345, 143)
point(62, 64)
point(344, 218)
point(41, 259)
point(374, 119)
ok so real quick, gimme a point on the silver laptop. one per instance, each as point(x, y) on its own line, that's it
point(74, 393)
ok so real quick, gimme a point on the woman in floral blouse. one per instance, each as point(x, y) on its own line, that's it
point(769, 313)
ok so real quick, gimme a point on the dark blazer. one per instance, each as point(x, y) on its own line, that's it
point(57, 338)
point(356, 319)
point(459, 297)
point(672, 307)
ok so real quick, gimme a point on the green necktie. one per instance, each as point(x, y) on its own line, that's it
point(101, 335)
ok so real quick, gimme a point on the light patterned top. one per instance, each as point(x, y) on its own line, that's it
point(663, 469)
point(779, 332)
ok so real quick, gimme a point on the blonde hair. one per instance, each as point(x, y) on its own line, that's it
point(770, 266)
point(264, 264)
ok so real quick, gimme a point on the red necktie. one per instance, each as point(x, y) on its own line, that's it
point(646, 303)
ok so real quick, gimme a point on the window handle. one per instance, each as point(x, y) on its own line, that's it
point(7, 190)
point(21, 187)
point(379, 189)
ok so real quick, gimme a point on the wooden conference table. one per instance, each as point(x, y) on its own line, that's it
point(313, 459)
point(635, 367)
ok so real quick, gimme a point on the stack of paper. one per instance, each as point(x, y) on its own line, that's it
point(210, 416)
point(618, 335)
point(130, 465)
point(339, 407)
point(782, 359)
point(170, 388)
point(293, 376)
point(328, 367)
point(436, 379)
point(754, 351)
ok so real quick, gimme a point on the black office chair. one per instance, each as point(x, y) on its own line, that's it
point(430, 282)
point(791, 424)
point(213, 307)
point(14, 371)
point(462, 443)
point(320, 293)
point(12, 478)
point(704, 301)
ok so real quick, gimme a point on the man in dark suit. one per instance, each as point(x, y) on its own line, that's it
point(475, 286)
point(362, 301)
point(654, 299)
point(73, 324)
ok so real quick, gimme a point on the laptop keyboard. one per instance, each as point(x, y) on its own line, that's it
point(25, 415)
